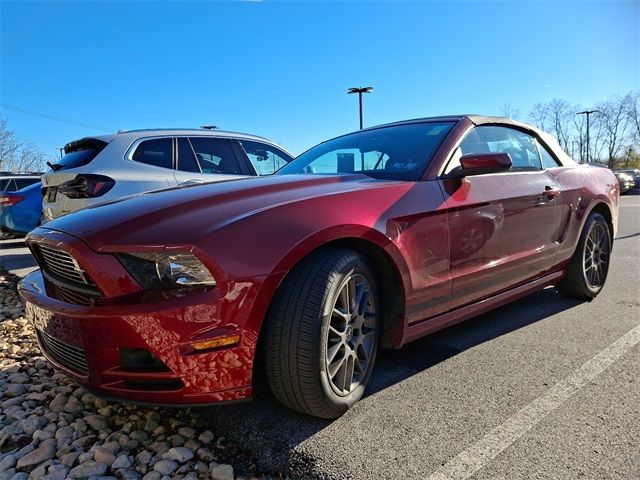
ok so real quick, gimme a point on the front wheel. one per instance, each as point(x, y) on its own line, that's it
point(321, 334)
point(589, 266)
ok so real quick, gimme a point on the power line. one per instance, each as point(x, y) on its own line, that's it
point(20, 151)
point(49, 142)
point(54, 117)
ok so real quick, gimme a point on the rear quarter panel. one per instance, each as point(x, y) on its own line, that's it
point(584, 188)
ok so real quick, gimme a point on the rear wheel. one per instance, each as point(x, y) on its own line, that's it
point(587, 272)
point(321, 334)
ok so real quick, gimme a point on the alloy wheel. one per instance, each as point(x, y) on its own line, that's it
point(596, 256)
point(351, 336)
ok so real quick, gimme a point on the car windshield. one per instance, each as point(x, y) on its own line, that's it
point(399, 152)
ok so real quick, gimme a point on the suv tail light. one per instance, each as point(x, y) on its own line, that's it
point(8, 200)
point(86, 186)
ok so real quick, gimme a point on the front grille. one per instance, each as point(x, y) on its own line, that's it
point(65, 354)
point(61, 264)
point(72, 296)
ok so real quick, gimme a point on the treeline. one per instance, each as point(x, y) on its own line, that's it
point(17, 155)
point(614, 128)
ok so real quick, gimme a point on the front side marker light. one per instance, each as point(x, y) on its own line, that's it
point(215, 343)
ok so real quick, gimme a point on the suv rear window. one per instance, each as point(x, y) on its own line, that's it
point(80, 153)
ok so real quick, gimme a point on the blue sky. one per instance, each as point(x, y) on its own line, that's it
point(281, 69)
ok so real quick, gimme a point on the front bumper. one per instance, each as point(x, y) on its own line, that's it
point(86, 342)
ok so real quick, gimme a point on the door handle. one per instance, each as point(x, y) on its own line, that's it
point(551, 192)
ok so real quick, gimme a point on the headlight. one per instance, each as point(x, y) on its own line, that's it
point(155, 271)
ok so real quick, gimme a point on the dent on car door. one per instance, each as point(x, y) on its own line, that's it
point(503, 226)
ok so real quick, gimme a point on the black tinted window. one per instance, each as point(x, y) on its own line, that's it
point(80, 153)
point(186, 158)
point(25, 182)
point(264, 158)
point(7, 185)
point(215, 155)
point(399, 152)
point(157, 152)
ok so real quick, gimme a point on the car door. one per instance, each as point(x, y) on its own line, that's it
point(203, 159)
point(503, 226)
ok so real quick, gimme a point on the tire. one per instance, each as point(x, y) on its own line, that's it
point(589, 265)
point(313, 341)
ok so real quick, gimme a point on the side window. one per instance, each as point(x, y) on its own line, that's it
point(24, 182)
point(11, 185)
point(215, 155)
point(264, 158)
point(519, 145)
point(186, 157)
point(547, 159)
point(157, 152)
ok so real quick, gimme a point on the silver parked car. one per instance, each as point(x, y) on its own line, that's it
point(101, 168)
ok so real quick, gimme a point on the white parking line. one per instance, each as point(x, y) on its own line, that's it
point(481, 453)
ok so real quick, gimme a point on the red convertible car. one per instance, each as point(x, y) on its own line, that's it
point(373, 238)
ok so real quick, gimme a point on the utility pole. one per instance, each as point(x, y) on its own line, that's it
point(360, 91)
point(587, 113)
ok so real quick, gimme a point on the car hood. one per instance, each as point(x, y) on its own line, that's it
point(179, 216)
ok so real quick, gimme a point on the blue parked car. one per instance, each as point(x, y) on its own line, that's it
point(20, 211)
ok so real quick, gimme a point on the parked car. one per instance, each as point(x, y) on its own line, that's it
point(20, 211)
point(97, 169)
point(11, 182)
point(173, 297)
point(626, 181)
point(635, 174)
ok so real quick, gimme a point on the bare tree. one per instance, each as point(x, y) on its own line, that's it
point(509, 111)
point(612, 127)
point(558, 113)
point(632, 110)
point(579, 131)
point(8, 145)
point(539, 115)
point(17, 156)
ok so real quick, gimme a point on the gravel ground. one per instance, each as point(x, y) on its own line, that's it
point(50, 428)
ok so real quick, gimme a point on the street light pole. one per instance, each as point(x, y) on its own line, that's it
point(360, 91)
point(587, 113)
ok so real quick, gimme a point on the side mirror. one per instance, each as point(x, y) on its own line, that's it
point(481, 163)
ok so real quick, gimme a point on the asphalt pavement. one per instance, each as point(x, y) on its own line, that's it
point(538, 389)
point(544, 388)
